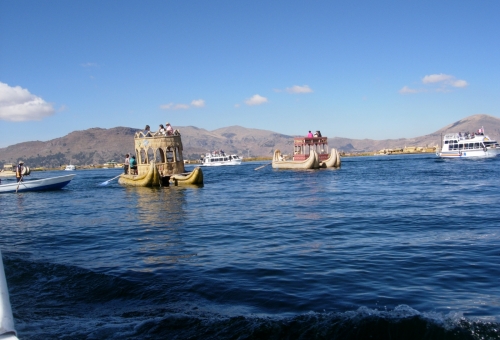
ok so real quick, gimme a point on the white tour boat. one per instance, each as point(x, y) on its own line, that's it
point(70, 167)
point(218, 159)
point(465, 145)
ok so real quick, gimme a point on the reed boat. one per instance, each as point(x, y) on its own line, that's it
point(309, 163)
point(160, 162)
point(304, 150)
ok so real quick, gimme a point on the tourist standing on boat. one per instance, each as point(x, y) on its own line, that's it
point(310, 135)
point(162, 130)
point(126, 164)
point(147, 131)
point(19, 171)
point(170, 130)
point(133, 166)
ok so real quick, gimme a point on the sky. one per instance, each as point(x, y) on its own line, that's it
point(354, 69)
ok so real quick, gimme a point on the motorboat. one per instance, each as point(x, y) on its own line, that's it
point(467, 145)
point(51, 183)
point(70, 167)
point(220, 158)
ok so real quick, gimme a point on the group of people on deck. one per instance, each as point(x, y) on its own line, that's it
point(167, 131)
point(468, 135)
point(316, 134)
point(130, 164)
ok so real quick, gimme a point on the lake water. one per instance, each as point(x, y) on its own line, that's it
point(400, 247)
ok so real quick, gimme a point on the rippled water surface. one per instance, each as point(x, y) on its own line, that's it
point(385, 247)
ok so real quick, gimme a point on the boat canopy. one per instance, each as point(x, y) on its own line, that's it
point(164, 150)
point(302, 147)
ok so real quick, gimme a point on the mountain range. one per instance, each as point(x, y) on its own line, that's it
point(97, 145)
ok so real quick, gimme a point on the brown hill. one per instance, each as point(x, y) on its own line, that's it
point(97, 146)
point(468, 124)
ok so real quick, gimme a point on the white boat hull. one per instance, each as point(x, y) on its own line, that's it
point(7, 330)
point(233, 162)
point(469, 153)
point(51, 183)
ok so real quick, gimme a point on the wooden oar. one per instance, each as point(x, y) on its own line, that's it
point(109, 180)
point(18, 183)
point(263, 166)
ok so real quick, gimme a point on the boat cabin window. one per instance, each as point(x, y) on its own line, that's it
point(476, 145)
point(178, 155)
point(142, 157)
point(160, 155)
point(151, 155)
point(170, 155)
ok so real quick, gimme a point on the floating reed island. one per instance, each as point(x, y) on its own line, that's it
point(160, 162)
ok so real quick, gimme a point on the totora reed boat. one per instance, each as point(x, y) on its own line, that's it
point(160, 162)
point(309, 153)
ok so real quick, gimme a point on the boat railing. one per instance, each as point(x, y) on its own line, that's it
point(310, 140)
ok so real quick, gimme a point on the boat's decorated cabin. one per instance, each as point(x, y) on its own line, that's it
point(302, 147)
point(164, 150)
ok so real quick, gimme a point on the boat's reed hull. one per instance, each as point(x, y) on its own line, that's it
point(193, 177)
point(312, 162)
point(333, 161)
point(149, 179)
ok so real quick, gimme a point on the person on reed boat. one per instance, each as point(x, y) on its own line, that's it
point(133, 166)
point(162, 130)
point(310, 135)
point(147, 131)
point(126, 164)
point(170, 130)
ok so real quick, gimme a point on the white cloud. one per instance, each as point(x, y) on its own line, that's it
point(406, 90)
point(180, 106)
point(296, 89)
point(436, 78)
point(172, 106)
point(198, 103)
point(445, 80)
point(459, 83)
point(256, 100)
point(18, 104)
point(437, 83)
point(299, 89)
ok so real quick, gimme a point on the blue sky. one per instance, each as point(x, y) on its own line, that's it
point(356, 69)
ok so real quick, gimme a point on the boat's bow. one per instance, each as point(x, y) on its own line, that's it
point(7, 330)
